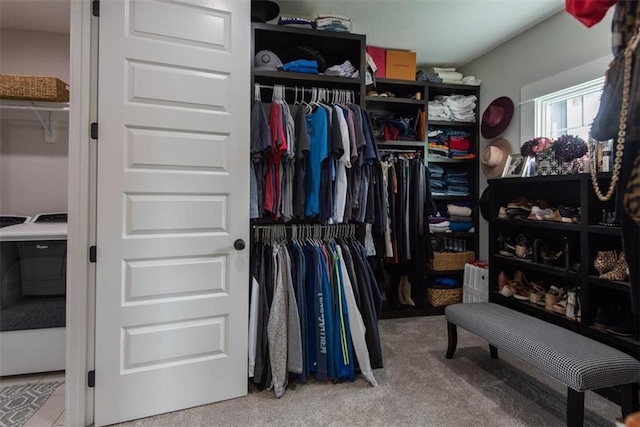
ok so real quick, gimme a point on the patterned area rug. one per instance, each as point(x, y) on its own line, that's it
point(19, 402)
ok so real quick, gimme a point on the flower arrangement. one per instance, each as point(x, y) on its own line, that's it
point(569, 147)
point(536, 146)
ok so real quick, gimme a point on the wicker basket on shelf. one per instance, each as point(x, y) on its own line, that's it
point(33, 88)
point(443, 297)
point(448, 261)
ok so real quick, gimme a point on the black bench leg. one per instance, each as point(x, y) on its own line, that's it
point(575, 408)
point(494, 351)
point(629, 399)
point(452, 333)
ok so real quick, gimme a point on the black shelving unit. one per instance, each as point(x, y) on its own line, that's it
point(585, 239)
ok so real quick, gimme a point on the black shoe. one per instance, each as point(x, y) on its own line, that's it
point(624, 329)
point(569, 214)
point(607, 317)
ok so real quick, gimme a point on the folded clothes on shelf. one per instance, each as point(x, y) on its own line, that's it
point(297, 22)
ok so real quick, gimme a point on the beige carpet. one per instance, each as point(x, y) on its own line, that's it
point(417, 387)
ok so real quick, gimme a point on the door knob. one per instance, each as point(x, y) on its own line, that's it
point(239, 245)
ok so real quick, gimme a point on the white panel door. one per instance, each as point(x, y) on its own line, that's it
point(173, 197)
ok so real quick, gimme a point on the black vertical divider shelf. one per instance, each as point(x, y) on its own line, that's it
point(585, 240)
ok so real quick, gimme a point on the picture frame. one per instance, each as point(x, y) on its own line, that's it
point(530, 167)
point(515, 166)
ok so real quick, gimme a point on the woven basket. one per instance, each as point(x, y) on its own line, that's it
point(447, 261)
point(33, 88)
point(444, 297)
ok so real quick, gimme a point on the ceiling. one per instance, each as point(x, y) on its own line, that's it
point(37, 15)
point(442, 32)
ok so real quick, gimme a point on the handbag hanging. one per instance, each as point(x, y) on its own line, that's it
point(615, 110)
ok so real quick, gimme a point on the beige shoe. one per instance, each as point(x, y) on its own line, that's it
point(406, 291)
point(400, 293)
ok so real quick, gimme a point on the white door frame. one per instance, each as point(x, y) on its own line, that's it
point(81, 205)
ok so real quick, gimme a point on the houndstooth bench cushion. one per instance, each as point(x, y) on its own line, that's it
point(576, 361)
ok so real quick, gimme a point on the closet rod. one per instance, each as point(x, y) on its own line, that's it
point(302, 89)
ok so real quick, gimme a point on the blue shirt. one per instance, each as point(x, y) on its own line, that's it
point(318, 129)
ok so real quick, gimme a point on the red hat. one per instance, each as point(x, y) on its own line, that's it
point(496, 117)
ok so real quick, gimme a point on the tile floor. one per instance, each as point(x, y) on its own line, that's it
point(51, 414)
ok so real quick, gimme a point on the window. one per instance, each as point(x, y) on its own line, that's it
point(569, 111)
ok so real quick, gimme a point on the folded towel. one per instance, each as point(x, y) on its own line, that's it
point(443, 70)
point(450, 75)
point(458, 210)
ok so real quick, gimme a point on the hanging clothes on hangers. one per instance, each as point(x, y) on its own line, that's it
point(315, 306)
point(312, 160)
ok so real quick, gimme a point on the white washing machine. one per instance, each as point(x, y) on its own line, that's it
point(32, 292)
point(42, 249)
point(10, 287)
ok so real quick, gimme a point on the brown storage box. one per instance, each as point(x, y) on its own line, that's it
point(401, 65)
point(33, 88)
point(444, 297)
point(448, 261)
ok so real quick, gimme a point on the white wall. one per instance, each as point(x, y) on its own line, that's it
point(554, 46)
point(33, 174)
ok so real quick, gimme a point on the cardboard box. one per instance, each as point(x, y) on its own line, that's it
point(379, 56)
point(401, 65)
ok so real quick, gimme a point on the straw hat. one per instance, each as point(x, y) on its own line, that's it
point(495, 156)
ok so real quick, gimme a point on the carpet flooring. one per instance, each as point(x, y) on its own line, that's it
point(418, 386)
point(18, 403)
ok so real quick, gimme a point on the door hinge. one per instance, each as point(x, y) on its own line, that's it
point(91, 379)
point(92, 253)
point(95, 7)
point(94, 130)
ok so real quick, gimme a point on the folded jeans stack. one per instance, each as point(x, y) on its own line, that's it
point(437, 180)
point(457, 183)
point(460, 220)
point(332, 22)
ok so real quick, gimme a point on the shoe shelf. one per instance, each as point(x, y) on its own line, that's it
point(602, 229)
point(624, 343)
point(611, 284)
point(536, 311)
point(588, 236)
point(529, 265)
point(550, 225)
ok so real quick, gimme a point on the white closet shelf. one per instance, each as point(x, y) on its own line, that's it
point(11, 104)
point(44, 112)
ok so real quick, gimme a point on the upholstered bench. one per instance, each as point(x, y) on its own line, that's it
point(576, 361)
